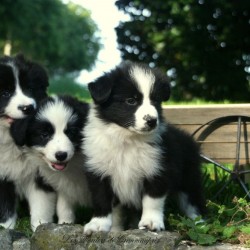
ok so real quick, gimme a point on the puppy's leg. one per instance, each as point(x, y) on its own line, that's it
point(152, 213)
point(191, 210)
point(42, 206)
point(102, 197)
point(117, 220)
point(191, 197)
point(96, 224)
point(65, 210)
point(8, 198)
point(10, 222)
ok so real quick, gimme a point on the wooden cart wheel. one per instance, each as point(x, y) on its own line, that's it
point(239, 171)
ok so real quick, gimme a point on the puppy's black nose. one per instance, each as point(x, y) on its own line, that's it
point(61, 156)
point(26, 109)
point(152, 122)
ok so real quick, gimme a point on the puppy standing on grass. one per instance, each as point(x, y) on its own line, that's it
point(53, 135)
point(22, 85)
point(133, 157)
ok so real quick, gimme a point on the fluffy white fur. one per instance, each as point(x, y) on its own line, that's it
point(71, 187)
point(152, 214)
point(134, 159)
point(145, 82)
point(42, 205)
point(98, 224)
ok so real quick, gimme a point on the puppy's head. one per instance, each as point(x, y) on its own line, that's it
point(54, 132)
point(131, 96)
point(22, 85)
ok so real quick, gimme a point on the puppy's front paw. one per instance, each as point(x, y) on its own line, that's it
point(98, 224)
point(153, 223)
point(68, 219)
point(116, 229)
point(36, 223)
point(10, 222)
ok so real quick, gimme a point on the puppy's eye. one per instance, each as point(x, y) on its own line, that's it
point(5, 94)
point(44, 135)
point(131, 101)
point(72, 131)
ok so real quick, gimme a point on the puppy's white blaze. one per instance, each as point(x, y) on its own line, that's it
point(18, 99)
point(186, 207)
point(145, 82)
point(57, 109)
point(98, 224)
point(59, 142)
point(152, 213)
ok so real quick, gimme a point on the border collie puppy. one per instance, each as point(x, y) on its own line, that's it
point(53, 134)
point(133, 157)
point(22, 85)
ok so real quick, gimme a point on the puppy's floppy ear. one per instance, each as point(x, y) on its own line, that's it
point(18, 130)
point(162, 85)
point(165, 90)
point(100, 89)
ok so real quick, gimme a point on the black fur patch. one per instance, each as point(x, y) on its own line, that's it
point(42, 184)
point(7, 200)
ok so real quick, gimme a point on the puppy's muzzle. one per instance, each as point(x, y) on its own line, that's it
point(151, 122)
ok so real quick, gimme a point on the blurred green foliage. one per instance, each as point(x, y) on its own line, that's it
point(203, 45)
point(67, 86)
point(61, 36)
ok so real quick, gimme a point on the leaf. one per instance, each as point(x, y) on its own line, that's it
point(203, 228)
point(202, 239)
point(242, 201)
point(188, 222)
point(229, 231)
point(246, 229)
point(221, 210)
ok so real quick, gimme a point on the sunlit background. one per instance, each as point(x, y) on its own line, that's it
point(107, 17)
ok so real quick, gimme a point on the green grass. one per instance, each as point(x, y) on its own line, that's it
point(23, 225)
point(195, 101)
point(214, 179)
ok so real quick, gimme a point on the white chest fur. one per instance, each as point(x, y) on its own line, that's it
point(71, 183)
point(125, 157)
point(17, 164)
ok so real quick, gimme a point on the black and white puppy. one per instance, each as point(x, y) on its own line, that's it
point(133, 157)
point(53, 134)
point(22, 85)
